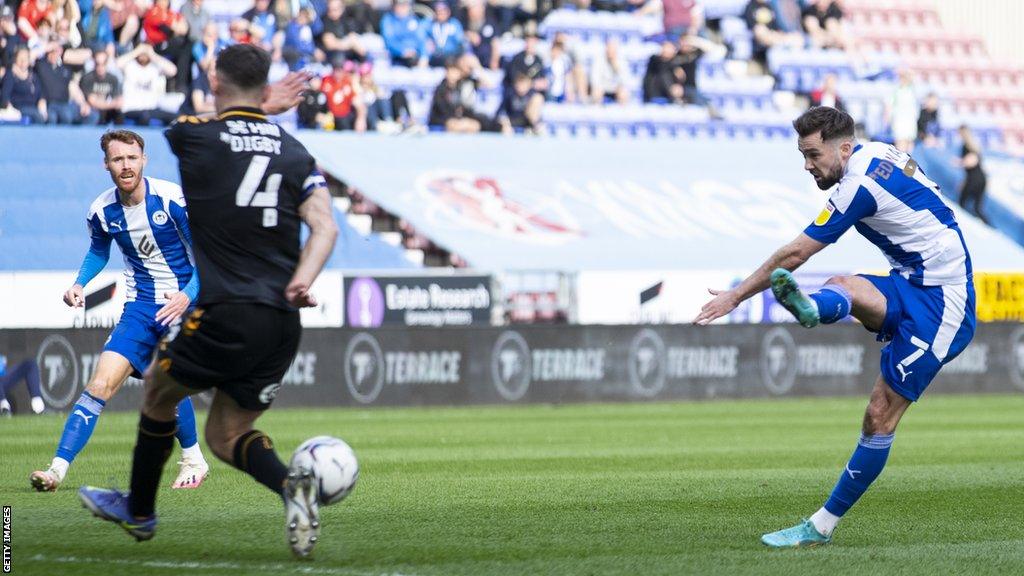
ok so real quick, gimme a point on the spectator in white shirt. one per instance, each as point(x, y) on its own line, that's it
point(609, 76)
point(145, 76)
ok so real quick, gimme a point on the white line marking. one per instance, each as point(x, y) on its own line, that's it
point(277, 568)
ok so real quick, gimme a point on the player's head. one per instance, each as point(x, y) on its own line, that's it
point(124, 156)
point(240, 76)
point(826, 140)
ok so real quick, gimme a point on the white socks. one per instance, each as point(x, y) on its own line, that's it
point(60, 468)
point(37, 405)
point(824, 522)
point(192, 453)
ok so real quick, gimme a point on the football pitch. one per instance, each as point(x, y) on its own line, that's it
point(668, 488)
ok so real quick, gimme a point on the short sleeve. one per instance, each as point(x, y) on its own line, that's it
point(314, 180)
point(174, 136)
point(177, 132)
point(849, 204)
point(96, 230)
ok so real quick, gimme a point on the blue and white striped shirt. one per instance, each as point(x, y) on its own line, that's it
point(889, 200)
point(153, 236)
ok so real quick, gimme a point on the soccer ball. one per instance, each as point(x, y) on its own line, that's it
point(333, 464)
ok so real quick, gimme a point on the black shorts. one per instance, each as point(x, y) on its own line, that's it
point(241, 349)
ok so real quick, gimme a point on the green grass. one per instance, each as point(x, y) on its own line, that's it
point(674, 488)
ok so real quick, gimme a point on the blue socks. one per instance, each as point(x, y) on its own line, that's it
point(186, 433)
point(864, 466)
point(79, 426)
point(833, 302)
point(86, 412)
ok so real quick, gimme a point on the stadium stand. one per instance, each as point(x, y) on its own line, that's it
point(889, 35)
point(743, 102)
point(46, 199)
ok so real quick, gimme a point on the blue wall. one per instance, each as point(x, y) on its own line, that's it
point(50, 176)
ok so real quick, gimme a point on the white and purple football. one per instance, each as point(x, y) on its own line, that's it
point(334, 467)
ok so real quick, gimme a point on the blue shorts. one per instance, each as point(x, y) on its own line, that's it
point(926, 327)
point(136, 335)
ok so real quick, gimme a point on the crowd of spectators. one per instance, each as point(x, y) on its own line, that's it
point(145, 61)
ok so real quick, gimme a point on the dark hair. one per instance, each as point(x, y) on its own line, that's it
point(830, 122)
point(243, 66)
point(124, 136)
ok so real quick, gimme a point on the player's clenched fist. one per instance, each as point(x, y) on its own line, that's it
point(73, 297)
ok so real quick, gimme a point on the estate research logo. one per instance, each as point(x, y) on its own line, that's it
point(268, 394)
point(57, 361)
point(778, 360)
point(364, 368)
point(365, 305)
point(511, 365)
point(1017, 357)
point(647, 363)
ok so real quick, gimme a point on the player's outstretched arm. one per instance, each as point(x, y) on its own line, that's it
point(791, 256)
point(323, 231)
point(286, 93)
point(94, 262)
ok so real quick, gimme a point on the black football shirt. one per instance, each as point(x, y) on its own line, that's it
point(243, 178)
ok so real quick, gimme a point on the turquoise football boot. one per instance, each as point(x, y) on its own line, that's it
point(789, 295)
point(803, 535)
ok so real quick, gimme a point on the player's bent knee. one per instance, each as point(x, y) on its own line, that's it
point(223, 452)
point(878, 419)
point(220, 442)
point(844, 282)
point(103, 388)
point(161, 397)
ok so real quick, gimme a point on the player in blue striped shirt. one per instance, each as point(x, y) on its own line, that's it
point(924, 309)
point(146, 218)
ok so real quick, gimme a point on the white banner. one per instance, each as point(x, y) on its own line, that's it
point(676, 297)
point(34, 300)
point(646, 297)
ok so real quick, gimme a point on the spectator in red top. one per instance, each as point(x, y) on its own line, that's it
point(240, 32)
point(167, 32)
point(343, 101)
point(680, 17)
point(827, 94)
point(159, 21)
point(31, 13)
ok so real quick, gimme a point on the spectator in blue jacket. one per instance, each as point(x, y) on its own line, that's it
point(299, 48)
point(97, 30)
point(262, 18)
point(405, 35)
point(445, 35)
point(209, 45)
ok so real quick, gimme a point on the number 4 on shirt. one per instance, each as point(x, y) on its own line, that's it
point(249, 195)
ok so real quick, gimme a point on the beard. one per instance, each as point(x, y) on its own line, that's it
point(829, 179)
point(130, 186)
